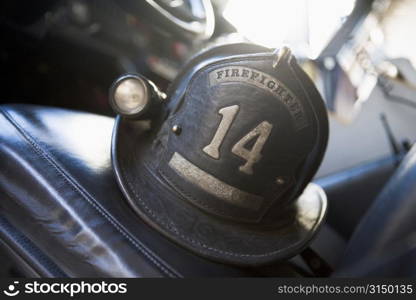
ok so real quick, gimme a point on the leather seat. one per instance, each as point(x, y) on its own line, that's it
point(62, 213)
point(384, 243)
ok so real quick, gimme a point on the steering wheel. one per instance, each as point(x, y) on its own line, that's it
point(190, 19)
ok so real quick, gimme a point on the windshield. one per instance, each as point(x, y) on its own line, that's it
point(305, 25)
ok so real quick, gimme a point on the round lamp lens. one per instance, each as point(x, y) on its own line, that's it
point(131, 96)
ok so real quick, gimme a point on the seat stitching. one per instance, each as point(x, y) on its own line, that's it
point(38, 149)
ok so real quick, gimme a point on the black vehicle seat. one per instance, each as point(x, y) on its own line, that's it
point(384, 243)
point(62, 213)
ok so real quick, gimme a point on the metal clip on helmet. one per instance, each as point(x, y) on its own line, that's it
point(223, 168)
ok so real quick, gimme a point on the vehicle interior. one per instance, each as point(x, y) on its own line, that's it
point(63, 212)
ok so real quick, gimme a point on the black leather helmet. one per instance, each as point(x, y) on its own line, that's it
point(224, 168)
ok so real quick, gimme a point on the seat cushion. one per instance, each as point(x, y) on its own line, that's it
point(384, 242)
point(58, 191)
